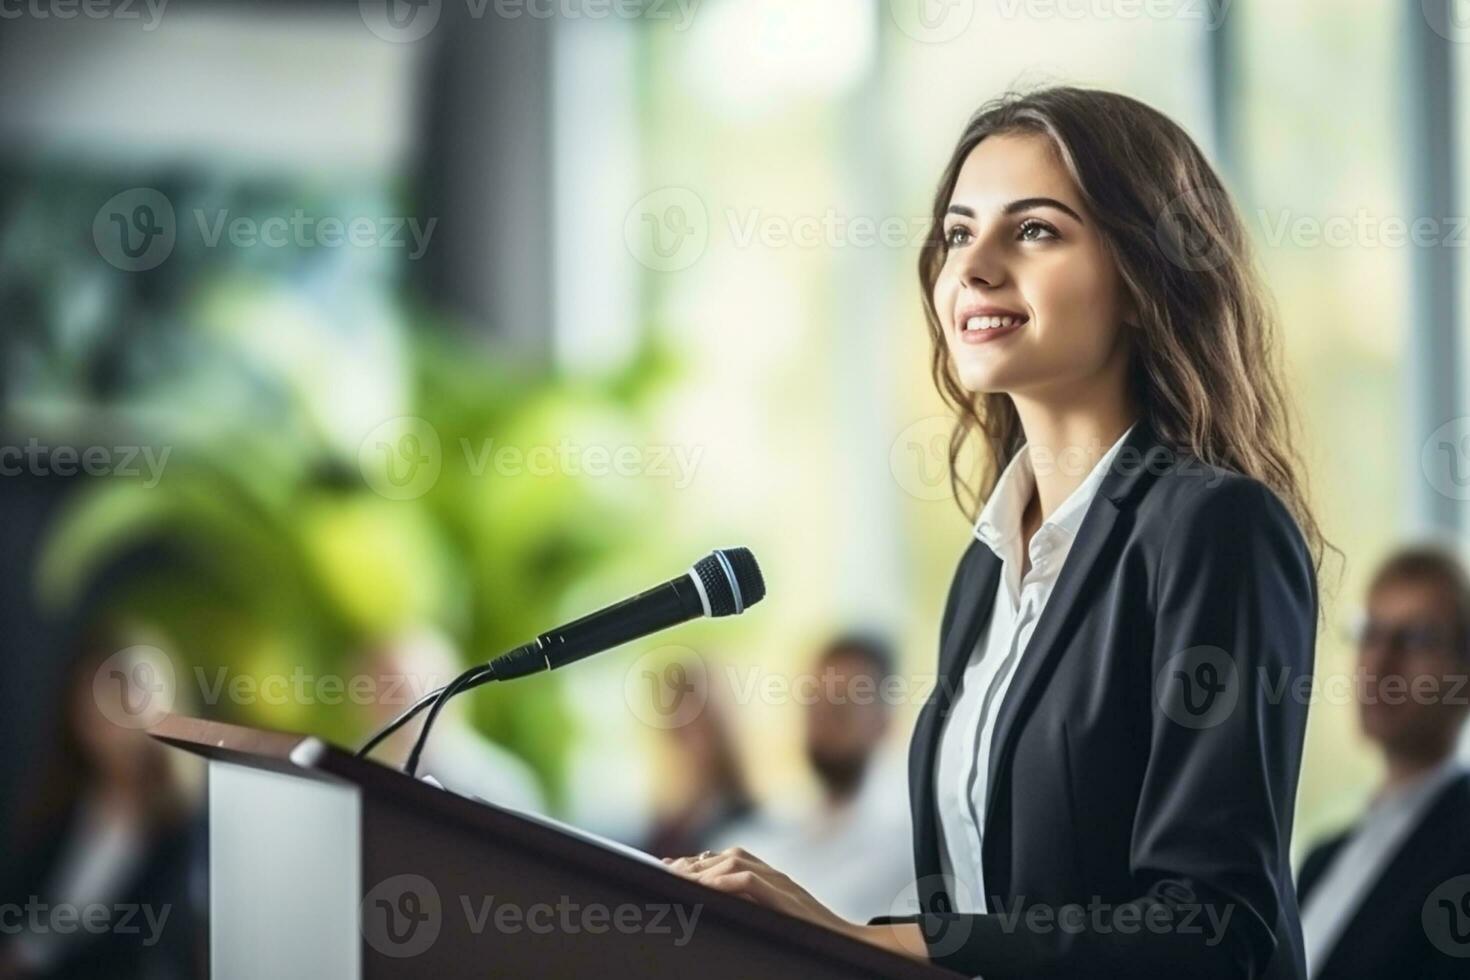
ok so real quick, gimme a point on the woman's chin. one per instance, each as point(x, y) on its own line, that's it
point(981, 380)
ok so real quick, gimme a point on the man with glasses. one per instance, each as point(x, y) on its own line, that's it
point(1391, 896)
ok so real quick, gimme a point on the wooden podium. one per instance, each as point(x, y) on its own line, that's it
point(323, 866)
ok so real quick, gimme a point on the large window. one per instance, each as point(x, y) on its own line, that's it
point(1322, 180)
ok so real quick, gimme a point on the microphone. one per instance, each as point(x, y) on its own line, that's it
point(724, 583)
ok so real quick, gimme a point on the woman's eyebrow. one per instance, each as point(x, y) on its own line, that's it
point(1022, 204)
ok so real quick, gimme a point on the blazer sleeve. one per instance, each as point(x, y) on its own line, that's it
point(1235, 611)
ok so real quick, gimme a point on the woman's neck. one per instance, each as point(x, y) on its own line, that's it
point(1067, 441)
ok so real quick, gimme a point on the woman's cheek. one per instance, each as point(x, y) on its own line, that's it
point(944, 307)
point(1077, 310)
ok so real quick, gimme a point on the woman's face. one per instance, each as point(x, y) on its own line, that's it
point(1028, 296)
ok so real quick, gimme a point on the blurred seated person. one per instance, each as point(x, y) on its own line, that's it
point(1365, 894)
point(458, 756)
point(707, 790)
point(115, 835)
point(848, 846)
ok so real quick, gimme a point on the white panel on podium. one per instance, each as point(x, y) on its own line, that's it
point(284, 885)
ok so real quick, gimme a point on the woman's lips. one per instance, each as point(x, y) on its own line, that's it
point(984, 329)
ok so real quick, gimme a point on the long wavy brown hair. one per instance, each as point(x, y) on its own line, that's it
point(1205, 366)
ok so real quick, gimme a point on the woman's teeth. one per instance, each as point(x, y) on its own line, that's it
point(993, 322)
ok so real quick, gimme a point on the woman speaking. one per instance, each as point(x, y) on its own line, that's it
point(1103, 781)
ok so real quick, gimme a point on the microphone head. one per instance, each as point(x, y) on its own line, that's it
point(732, 581)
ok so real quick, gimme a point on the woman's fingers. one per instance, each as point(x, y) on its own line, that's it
point(736, 871)
point(747, 884)
point(733, 870)
point(733, 856)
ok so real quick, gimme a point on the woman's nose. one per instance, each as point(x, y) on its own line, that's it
point(981, 268)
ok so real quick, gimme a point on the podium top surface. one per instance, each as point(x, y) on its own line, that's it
point(307, 757)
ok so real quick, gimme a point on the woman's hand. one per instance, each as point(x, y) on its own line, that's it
point(738, 872)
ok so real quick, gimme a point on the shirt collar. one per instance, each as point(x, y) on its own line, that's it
point(999, 524)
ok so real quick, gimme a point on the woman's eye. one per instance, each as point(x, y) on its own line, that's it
point(956, 236)
point(1035, 231)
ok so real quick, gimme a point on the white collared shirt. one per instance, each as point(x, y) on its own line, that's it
point(1362, 859)
point(962, 771)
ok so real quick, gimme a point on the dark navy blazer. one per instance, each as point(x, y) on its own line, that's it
point(1144, 766)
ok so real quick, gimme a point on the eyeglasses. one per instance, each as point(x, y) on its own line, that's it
point(1412, 638)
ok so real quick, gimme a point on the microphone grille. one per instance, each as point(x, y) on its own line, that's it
point(732, 580)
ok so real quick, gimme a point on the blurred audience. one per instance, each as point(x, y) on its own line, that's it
point(115, 883)
point(460, 758)
point(1365, 894)
point(850, 845)
point(708, 791)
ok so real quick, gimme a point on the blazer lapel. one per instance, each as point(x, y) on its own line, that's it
point(1074, 585)
point(982, 577)
point(979, 578)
